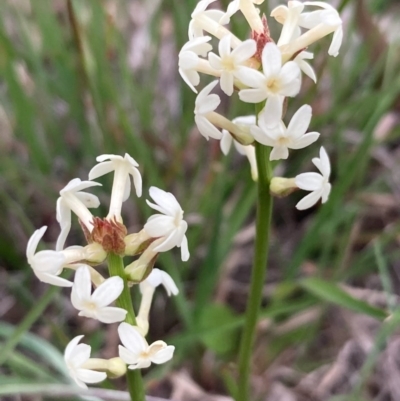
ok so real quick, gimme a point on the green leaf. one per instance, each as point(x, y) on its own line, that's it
point(213, 316)
point(332, 293)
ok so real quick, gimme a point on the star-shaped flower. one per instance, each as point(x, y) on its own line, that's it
point(230, 63)
point(75, 356)
point(204, 105)
point(280, 138)
point(168, 225)
point(318, 184)
point(137, 353)
point(47, 265)
point(274, 84)
point(123, 167)
point(96, 305)
point(72, 198)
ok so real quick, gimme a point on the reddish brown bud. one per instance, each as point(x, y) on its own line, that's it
point(261, 38)
point(110, 234)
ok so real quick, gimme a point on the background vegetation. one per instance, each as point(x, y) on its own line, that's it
point(82, 78)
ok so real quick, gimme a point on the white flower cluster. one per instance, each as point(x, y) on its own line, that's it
point(262, 71)
point(162, 232)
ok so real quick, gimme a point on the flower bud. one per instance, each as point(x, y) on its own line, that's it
point(136, 243)
point(94, 253)
point(281, 187)
point(116, 368)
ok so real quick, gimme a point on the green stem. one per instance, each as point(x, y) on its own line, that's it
point(263, 224)
point(133, 377)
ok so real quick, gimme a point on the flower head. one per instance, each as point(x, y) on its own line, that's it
point(123, 167)
point(75, 356)
point(280, 138)
point(205, 105)
point(230, 63)
point(168, 225)
point(96, 305)
point(274, 84)
point(47, 265)
point(137, 353)
point(318, 184)
point(72, 198)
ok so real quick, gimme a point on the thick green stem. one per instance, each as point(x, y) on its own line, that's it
point(134, 377)
point(263, 223)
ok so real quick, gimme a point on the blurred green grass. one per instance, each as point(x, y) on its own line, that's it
point(68, 94)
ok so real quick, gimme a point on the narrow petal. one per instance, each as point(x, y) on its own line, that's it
point(108, 291)
point(111, 314)
point(224, 47)
point(127, 356)
point(209, 104)
point(271, 60)
point(34, 241)
point(215, 61)
point(244, 51)
point(252, 78)
point(53, 280)
point(71, 346)
point(305, 140)
point(131, 338)
point(261, 136)
point(207, 129)
point(226, 82)
point(309, 181)
point(187, 76)
point(307, 69)
point(325, 163)
point(253, 95)
point(83, 283)
point(278, 153)
point(308, 201)
point(166, 200)
point(272, 113)
point(299, 123)
point(163, 355)
point(159, 225)
point(137, 181)
point(225, 142)
point(184, 250)
point(336, 42)
point(90, 376)
point(101, 169)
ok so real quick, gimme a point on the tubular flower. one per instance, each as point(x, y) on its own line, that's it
point(168, 225)
point(96, 305)
point(205, 105)
point(47, 265)
point(318, 184)
point(75, 356)
point(123, 167)
point(277, 82)
point(72, 198)
point(137, 353)
point(189, 60)
point(280, 138)
point(230, 63)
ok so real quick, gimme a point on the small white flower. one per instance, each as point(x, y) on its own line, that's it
point(189, 60)
point(72, 198)
point(318, 184)
point(123, 167)
point(230, 63)
point(289, 17)
point(201, 7)
point(47, 265)
point(169, 225)
point(245, 122)
point(233, 8)
point(196, 29)
point(206, 104)
point(158, 277)
point(75, 356)
point(277, 82)
point(328, 17)
point(280, 138)
point(96, 305)
point(137, 353)
point(304, 66)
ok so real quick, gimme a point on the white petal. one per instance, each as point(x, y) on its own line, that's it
point(53, 280)
point(308, 201)
point(159, 225)
point(208, 104)
point(191, 78)
point(163, 355)
point(166, 200)
point(305, 140)
point(207, 129)
point(261, 136)
point(309, 181)
point(34, 241)
point(224, 47)
point(326, 191)
point(272, 113)
point(325, 163)
point(307, 69)
point(226, 82)
point(83, 283)
point(278, 153)
point(226, 142)
point(215, 61)
point(127, 356)
point(336, 42)
point(271, 60)
point(299, 123)
point(244, 51)
point(90, 376)
point(137, 181)
point(131, 338)
point(111, 314)
point(89, 200)
point(108, 291)
point(71, 346)
point(253, 95)
point(252, 78)
point(184, 250)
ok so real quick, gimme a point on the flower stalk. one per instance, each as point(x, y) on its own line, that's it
point(263, 225)
point(133, 377)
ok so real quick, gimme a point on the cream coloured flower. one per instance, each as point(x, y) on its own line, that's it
point(168, 225)
point(230, 63)
point(280, 138)
point(75, 356)
point(318, 184)
point(137, 353)
point(273, 84)
point(95, 305)
point(47, 265)
point(72, 198)
point(123, 168)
